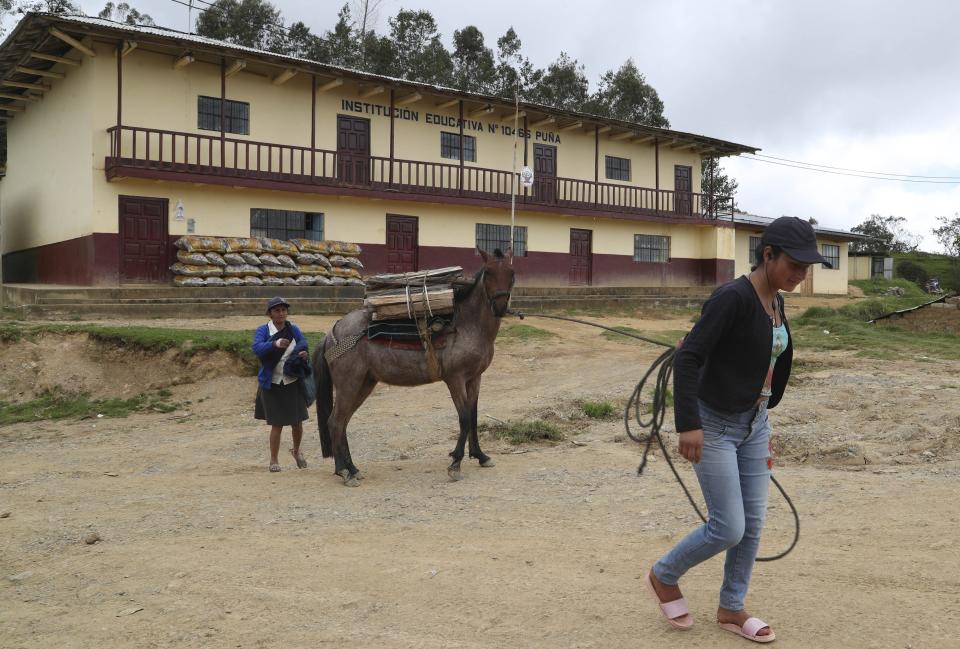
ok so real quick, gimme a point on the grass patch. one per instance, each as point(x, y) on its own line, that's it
point(847, 329)
point(153, 339)
point(525, 431)
point(599, 409)
point(524, 333)
point(879, 286)
point(79, 405)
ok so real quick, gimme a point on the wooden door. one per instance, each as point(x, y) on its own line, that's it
point(143, 239)
point(806, 286)
point(402, 243)
point(581, 257)
point(544, 173)
point(353, 150)
point(683, 190)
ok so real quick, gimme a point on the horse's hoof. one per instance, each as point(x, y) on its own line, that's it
point(455, 474)
point(488, 463)
point(348, 479)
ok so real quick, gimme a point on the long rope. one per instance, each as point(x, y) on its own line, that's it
point(663, 367)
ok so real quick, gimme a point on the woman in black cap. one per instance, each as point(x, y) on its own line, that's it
point(280, 400)
point(731, 368)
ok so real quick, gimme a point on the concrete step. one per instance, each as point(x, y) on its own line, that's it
point(18, 294)
point(186, 310)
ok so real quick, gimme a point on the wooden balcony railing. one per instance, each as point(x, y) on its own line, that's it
point(234, 160)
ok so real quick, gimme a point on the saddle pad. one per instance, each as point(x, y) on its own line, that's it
point(405, 330)
point(438, 342)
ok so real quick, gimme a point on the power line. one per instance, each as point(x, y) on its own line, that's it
point(855, 175)
point(878, 173)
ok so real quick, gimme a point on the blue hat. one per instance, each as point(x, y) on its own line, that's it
point(275, 302)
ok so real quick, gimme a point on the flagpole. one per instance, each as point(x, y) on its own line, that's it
point(514, 179)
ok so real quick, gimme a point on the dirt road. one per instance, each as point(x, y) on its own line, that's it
point(200, 546)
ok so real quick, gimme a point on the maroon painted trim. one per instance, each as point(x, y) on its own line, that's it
point(553, 269)
point(313, 124)
point(223, 106)
point(119, 93)
point(91, 260)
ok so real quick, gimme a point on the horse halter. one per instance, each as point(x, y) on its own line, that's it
point(496, 295)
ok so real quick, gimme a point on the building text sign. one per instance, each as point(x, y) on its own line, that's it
point(448, 121)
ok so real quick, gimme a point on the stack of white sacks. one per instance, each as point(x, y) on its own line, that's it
point(248, 261)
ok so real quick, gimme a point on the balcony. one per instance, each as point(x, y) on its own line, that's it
point(192, 157)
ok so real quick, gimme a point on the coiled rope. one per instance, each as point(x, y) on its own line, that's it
point(663, 367)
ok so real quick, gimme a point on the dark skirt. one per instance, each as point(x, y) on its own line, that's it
point(281, 405)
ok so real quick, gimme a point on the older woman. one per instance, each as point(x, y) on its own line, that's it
point(279, 344)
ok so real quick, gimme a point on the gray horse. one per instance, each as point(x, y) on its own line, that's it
point(479, 306)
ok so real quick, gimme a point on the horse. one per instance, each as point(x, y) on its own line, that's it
point(479, 307)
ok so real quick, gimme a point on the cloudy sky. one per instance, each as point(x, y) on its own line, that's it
point(860, 84)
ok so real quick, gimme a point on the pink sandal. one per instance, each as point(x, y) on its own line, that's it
point(750, 629)
point(677, 613)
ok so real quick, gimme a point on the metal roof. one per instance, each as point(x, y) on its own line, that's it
point(761, 222)
point(31, 31)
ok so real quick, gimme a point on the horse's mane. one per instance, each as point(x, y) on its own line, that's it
point(462, 291)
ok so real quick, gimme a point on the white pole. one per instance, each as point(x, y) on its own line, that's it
point(514, 179)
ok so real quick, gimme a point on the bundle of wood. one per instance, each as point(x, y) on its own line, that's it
point(404, 295)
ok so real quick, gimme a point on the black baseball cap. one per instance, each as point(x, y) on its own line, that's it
point(796, 238)
point(275, 302)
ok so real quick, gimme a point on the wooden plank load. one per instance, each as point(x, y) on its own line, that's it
point(397, 296)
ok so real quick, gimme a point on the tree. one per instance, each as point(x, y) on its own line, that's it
point(563, 86)
point(887, 235)
point(340, 45)
point(723, 187)
point(473, 66)
point(948, 234)
point(513, 70)
point(124, 13)
point(418, 53)
point(252, 23)
point(625, 94)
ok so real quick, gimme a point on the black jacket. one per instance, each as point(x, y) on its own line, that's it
point(724, 359)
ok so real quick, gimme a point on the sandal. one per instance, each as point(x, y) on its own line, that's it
point(677, 613)
point(274, 468)
point(750, 629)
point(301, 461)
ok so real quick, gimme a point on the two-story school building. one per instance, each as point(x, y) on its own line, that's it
point(120, 139)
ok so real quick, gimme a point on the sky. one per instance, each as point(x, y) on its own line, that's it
point(860, 84)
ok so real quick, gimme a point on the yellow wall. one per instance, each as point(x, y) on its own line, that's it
point(157, 96)
point(47, 191)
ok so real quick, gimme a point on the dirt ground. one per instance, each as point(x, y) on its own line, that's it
point(200, 546)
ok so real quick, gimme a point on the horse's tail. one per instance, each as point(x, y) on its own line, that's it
point(321, 372)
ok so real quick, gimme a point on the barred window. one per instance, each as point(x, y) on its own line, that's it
point(754, 244)
point(286, 224)
point(650, 247)
point(491, 237)
point(618, 168)
point(236, 115)
point(450, 146)
point(832, 254)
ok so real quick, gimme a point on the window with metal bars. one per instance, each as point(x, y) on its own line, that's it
point(618, 168)
point(450, 146)
point(754, 244)
point(286, 224)
point(651, 247)
point(490, 237)
point(832, 254)
point(236, 115)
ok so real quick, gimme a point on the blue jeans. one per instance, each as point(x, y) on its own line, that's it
point(735, 481)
